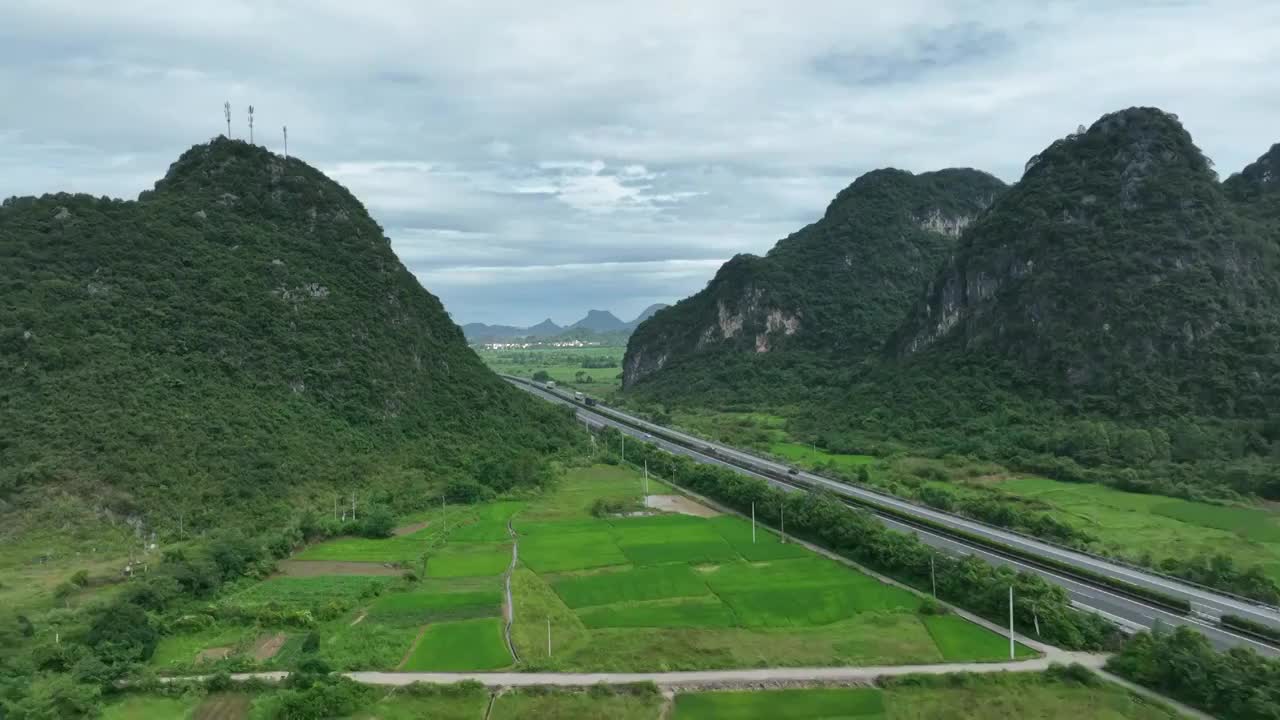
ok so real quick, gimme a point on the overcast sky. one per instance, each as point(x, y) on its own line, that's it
point(534, 159)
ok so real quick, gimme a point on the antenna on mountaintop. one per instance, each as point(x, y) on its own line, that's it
point(226, 111)
point(250, 124)
point(286, 141)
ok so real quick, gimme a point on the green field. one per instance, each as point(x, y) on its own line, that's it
point(944, 697)
point(808, 456)
point(181, 649)
point(1134, 524)
point(552, 704)
point(302, 593)
point(421, 607)
point(460, 646)
point(489, 525)
point(469, 560)
point(151, 707)
point(959, 639)
point(654, 583)
point(681, 592)
point(444, 702)
point(564, 365)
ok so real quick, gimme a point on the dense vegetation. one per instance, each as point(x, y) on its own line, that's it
point(837, 286)
point(238, 340)
point(1113, 317)
point(1238, 684)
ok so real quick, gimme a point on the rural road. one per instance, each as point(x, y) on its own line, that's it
point(1129, 613)
point(727, 679)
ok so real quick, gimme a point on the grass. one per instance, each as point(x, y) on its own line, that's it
point(574, 495)
point(684, 612)
point(368, 645)
point(461, 646)
point(1013, 695)
point(310, 592)
point(151, 707)
point(536, 604)
point(561, 364)
point(469, 560)
point(656, 583)
point(706, 551)
point(960, 640)
point(569, 705)
point(803, 454)
point(550, 553)
point(851, 703)
point(1134, 524)
point(440, 703)
point(181, 649)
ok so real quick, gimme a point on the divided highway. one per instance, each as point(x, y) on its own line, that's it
point(1129, 612)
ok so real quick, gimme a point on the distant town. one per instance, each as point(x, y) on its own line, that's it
point(543, 344)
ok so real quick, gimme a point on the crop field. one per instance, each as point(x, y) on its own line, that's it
point(446, 703)
point(460, 646)
point(564, 365)
point(469, 560)
point(683, 592)
point(406, 549)
point(150, 707)
point(183, 649)
point(808, 456)
point(552, 704)
point(851, 703)
point(301, 593)
point(946, 697)
point(655, 583)
point(489, 525)
point(422, 607)
point(1134, 524)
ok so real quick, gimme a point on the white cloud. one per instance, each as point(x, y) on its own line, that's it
point(610, 135)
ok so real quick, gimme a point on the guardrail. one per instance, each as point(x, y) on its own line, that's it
point(1155, 597)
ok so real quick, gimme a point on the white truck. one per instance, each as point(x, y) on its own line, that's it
point(579, 397)
point(550, 385)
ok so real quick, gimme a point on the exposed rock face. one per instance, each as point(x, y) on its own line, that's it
point(839, 285)
point(1116, 262)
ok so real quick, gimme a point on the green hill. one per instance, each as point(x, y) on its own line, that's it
point(239, 341)
point(836, 288)
point(1116, 276)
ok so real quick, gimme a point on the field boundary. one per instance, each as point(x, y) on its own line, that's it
point(508, 605)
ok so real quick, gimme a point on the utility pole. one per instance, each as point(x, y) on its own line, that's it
point(646, 479)
point(753, 523)
point(548, 637)
point(226, 112)
point(335, 507)
point(286, 141)
point(1011, 651)
point(624, 447)
point(444, 515)
point(250, 124)
point(783, 524)
point(933, 577)
point(353, 506)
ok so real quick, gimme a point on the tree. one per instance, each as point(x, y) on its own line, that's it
point(379, 523)
point(122, 633)
point(55, 697)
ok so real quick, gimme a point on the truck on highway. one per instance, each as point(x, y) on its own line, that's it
point(579, 397)
point(550, 385)
point(591, 402)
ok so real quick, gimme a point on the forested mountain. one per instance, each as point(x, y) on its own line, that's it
point(595, 322)
point(647, 313)
point(838, 286)
point(237, 341)
point(1118, 276)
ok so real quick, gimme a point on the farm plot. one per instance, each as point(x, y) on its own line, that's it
point(577, 492)
point(653, 583)
point(958, 640)
point(460, 646)
point(304, 593)
point(554, 704)
point(844, 703)
point(550, 552)
point(489, 525)
point(682, 612)
point(150, 707)
point(671, 539)
point(366, 645)
point(419, 607)
point(765, 546)
point(469, 560)
point(185, 648)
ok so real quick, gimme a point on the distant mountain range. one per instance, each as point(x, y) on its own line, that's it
point(594, 322)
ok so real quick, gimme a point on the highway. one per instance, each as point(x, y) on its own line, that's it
point(1128, 612)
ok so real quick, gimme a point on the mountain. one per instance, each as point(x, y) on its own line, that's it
point(647, 313)
point(475, 332)
point(233, 346)
point(599, 321)
point(838, 286)
point(546, 328)
point(1119, 275)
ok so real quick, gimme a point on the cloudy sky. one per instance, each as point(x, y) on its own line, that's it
point(534, 159)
